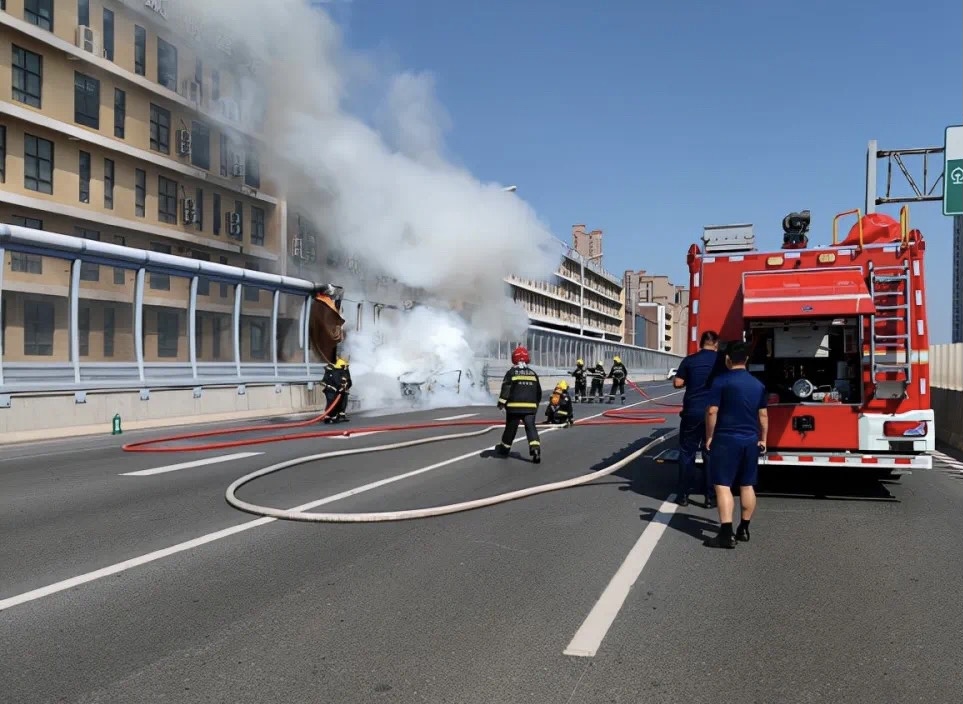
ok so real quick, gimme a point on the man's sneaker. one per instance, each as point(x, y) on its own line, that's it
point(720, 541)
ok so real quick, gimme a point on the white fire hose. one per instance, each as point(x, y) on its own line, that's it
point(385, 516)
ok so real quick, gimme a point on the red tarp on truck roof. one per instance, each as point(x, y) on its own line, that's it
point(805, 293)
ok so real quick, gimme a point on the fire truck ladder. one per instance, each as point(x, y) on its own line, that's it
point(889, 287)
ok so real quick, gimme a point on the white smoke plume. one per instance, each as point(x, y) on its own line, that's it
point(388, 198)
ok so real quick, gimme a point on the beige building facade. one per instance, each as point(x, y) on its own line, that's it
point(118, 123)
point(656, 312)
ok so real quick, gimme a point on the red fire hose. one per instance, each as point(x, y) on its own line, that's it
point(614, 416)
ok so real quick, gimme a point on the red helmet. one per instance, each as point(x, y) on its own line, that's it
point(520, 354)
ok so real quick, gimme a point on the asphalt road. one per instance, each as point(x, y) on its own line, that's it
point(849, 591)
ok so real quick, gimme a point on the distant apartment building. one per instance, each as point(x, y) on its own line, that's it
point(581, 298)
point(119, 123)
point(656, 312)
point(588, 244)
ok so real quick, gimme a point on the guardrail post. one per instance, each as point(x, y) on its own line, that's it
point(305, 333)
point(2, 260)
point(192, 326)
point(236, 328)
point(274, 331)
point(74, 322)
point(139, 322)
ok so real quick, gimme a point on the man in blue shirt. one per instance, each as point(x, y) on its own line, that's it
point(695, 374)
point(737, 423)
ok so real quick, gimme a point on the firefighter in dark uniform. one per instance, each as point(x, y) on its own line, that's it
point(335, 383)
point(579, 375)
point(597, 374)
point(559, 410)
point(343, 404)
point(618, 375)
point(519, 397)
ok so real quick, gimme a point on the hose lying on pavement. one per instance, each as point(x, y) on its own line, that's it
point(386, 516)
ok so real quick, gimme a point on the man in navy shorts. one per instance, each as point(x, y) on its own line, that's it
point(736, 427)
point(695, 374)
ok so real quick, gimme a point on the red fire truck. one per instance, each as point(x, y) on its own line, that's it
point(838, 335)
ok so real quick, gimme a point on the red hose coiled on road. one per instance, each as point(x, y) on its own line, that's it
point(615, 416)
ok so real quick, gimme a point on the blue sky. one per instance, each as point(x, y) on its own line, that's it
point(649, 120)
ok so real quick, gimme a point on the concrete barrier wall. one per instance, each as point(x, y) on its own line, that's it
point(946, 387)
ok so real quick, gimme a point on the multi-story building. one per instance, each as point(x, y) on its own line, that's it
point(581, 298)
point(588, 244)
point(119, 122)
point(656, 312)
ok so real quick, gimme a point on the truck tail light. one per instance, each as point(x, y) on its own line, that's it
point(905, 428)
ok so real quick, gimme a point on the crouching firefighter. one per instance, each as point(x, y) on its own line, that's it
point(618, 375)
point(579, 375)
point(337, 381)
point(559, 410)
point(520, 395)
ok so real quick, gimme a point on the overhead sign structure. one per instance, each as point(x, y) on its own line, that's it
point(953, 171)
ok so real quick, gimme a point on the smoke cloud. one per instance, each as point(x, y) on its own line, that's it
point(385, 198)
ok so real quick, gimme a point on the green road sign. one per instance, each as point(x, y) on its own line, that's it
point(953, 171)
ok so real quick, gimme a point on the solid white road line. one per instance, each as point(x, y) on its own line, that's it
point(188, 465)
point(463, 415)
point(589, 637)
point(211, 537)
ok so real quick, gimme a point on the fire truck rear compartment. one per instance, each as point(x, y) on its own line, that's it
point(812, 362)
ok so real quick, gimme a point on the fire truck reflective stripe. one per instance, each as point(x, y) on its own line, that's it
point(694, 334)
point(695, 280)
point(783, 299)
point(919, 297)
point(737, 258)
point(791, 255)
point(922, 385)
point(920, 461)
point(916, 267)
point(695, 307)
point(708, 260)
point(919, 327)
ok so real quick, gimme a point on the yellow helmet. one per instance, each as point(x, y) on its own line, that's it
point(340, 364)
point(563, 385)
point(617, 359)
point(579, 362)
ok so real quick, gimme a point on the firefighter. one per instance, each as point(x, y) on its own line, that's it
point(335, 384)
point(618, 375)
point(519, 398)
point(559, 410)
point(579, 375)
point(597, 373)
point(346, 379)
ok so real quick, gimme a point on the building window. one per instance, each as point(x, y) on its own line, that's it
point(39, 12)
point(166, 64)
point(140, 51)
point(168, 333)
point(258, 340)
point(88, 271)
point(215, 85)
point(250, 292)
point(21, 261)
point(83, 13)
point(200, 145)
point(140, 193)
point(120, 113)
point(160, 129)
point(166, 200)
point(257, 226)
point(86, 100)
point(203, 283)
point(83, 331)
point(38, 164)
point(217, 213)
point(199, 208)
point(38, 328)
point(199, 78)
point(160, 282)
point(120, 274)
point(27, 76)
point(84, 173)
point(225, 155)
point(108, 34)
point(110, 326)
point(223, 260)
point(3, 153)
point(199, 336)
point(108, 184)
point(216, 339)
point(252, 169)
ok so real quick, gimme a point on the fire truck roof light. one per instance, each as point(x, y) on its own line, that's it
point(774, 261)
point(827, 258)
